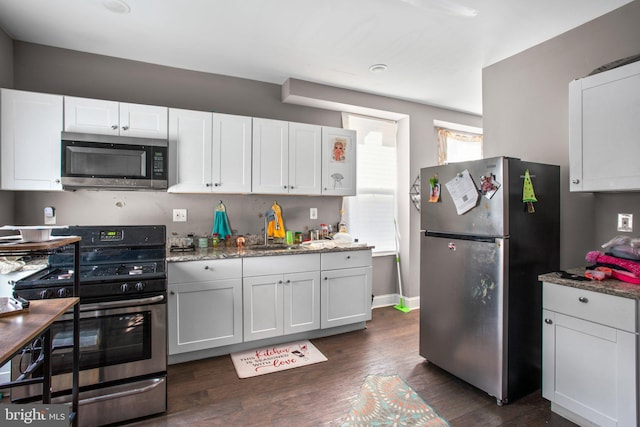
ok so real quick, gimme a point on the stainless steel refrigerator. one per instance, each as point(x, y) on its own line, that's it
point(480, 299)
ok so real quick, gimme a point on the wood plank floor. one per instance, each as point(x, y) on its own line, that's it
point(208, 392)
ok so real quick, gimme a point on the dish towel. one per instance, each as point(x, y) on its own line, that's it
point(221, 222)
point(276, 227)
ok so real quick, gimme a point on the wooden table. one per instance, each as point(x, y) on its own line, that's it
point(18, 331)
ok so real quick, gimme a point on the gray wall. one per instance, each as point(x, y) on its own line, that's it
point(6, 80)
point(52, 70)
point(525, 106)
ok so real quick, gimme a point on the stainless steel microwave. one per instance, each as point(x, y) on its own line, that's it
point(113, 162)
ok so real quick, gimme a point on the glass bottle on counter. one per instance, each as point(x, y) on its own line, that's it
point(324, 230)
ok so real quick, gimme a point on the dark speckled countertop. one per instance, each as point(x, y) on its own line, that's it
point(253, 251)
point(609, 286)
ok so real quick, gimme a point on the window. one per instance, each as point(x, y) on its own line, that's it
point(458, 146)
point(371, 213)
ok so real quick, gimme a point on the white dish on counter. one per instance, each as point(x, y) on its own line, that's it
point(32, 233)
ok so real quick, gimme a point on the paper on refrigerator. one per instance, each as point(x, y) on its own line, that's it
point(463, 192)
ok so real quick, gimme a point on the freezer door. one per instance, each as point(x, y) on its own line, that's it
point(461, 309)
point(487, 218)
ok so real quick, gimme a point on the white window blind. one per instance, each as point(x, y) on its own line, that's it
point(370, 214)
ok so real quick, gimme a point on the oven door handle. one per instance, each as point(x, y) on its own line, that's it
point(125, 303)
point(155, 383)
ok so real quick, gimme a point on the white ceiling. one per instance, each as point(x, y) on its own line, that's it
point(435, 49)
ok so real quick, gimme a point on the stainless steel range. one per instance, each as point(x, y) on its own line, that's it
point(123, 356)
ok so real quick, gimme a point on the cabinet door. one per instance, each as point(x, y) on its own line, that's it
point(589, 369)
point(270, 156)
point(603, 120)
point(338, 162)
point(190, 151)
point(301, 302)
point(143, 121)
point(263, 305)
point(305, 148)
point(345, 296)
point(204, 315)
point(231, 164)
point(30, 140)
point(85, 115)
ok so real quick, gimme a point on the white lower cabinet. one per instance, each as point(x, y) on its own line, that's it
point(204, 304)
point(590, 361)
point(346, 288)
point(281, 295)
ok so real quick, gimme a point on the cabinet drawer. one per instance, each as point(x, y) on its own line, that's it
point(201, 271)
point(347, 259)
point(609, 310)
point(280, 264)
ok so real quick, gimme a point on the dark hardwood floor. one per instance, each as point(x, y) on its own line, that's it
point(208, 392)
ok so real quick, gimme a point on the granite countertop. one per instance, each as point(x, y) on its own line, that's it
point(222, 252)
point(609, 286)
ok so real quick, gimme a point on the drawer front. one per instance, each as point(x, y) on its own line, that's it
point(280, 264)
point(347, 259)
point(609, 310)
point(203, 271)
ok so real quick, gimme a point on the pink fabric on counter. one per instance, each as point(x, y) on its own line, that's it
point(632, 266)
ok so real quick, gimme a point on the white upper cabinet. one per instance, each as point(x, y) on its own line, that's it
point(231, 164)
point(603, 130)
point(305, 148)
point(270, 156)
point(30, 140)
point(286, 157)
point(209, 152)
point(338, 162)
point(97, 116)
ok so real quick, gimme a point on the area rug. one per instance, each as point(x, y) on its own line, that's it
point(275, 358)
point(386, 400)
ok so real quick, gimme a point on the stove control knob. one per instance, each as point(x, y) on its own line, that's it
point(124, 287)
point(139, 286)
point(46, 293)
point(63, 292)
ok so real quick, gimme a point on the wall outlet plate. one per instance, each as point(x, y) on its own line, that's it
point(179, 215)
point(49, 215)
point(625, 222)
point(313, 213)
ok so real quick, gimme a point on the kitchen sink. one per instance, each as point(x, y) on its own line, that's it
point(271, 248)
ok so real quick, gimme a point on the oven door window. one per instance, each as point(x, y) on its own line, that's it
point(105, 340)
point(104, 161)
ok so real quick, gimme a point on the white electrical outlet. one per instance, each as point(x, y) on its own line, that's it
point(179, 215)
point(313, 213)
point(49, 215)
point(625, 222)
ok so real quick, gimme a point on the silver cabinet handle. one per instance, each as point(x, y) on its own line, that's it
point(285, 187)
point(583, 299)
point(172, 292)
point(208, 184)
point(291, 187)
point(57, 181)
point(548, 321)
point(114, 127)
point(575, 181)
point(217, 184)
point(279, 282)
point(326, 278)
point(288, 281)
point(125, 127)
point(206, 267)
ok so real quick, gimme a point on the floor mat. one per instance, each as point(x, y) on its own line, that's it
point(275, 358)
point(386, 400)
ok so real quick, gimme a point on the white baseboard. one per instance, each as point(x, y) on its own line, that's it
point(393, 299)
